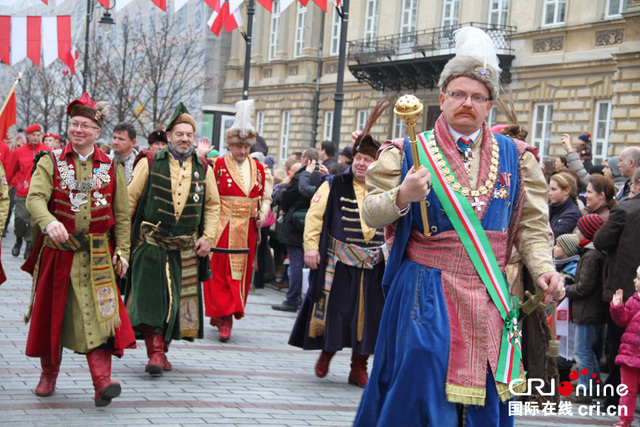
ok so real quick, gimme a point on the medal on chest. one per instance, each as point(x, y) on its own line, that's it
point(79, 191)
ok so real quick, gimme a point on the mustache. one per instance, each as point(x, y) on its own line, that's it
point(465, 110)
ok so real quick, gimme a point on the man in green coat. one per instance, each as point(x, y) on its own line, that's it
point(175, 208)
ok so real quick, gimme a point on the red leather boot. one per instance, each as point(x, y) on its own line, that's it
point(215, 322)
point(225, 325)
point(155, 352)
point(322, 365)
point(358, 375)
point(166, 365)
point(100, 367)
point(48, 377)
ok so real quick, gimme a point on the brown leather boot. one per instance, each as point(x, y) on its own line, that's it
point(155, 352)
point(322, 365)
point(100, 366)
point(358, 375)
point(48, 377)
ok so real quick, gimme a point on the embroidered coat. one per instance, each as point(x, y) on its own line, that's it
point(226, 292)
point(348, 278)
point(439, 322)
point(182, 199)
point(64, 312)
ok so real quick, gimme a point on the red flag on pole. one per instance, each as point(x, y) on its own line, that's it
point(267, 4)
point(8, 118)
point(322, 4)
point(162, 4)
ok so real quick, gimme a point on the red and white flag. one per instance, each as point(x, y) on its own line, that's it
point(233, 21)
point(219, 16)
point(162, 4)
point(32, 36)
point(8, 118)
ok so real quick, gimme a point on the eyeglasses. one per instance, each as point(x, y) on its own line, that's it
point(462, 97)
point(83, 126)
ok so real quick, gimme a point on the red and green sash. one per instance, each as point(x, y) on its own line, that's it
point(467, 224)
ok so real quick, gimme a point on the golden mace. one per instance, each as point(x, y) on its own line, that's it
point(408, 108)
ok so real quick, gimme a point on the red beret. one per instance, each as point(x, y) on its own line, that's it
point(49, 134)
point(33, 128)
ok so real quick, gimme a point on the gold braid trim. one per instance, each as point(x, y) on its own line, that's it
point(465, 395)
point(503, 389)
point(532, 247)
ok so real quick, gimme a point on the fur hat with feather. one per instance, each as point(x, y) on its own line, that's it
point(86, 107)
point(365, 142)
point(475, 58)
point(242, 131)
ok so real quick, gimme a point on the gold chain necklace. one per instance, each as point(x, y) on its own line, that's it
point(446, 172)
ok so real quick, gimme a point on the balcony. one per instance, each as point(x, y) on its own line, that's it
point(410, 61)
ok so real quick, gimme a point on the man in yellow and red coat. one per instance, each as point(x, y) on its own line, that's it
point(245, 189)
point(19, 175)
point(78, 198)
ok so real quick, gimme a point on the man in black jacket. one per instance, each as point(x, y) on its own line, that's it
point(294, 204)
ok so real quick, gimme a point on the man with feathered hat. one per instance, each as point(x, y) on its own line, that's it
point(245, 188)
point(174, 209)
point(19, 175)
point(344, 303)
point(448, 347)
point(78, 198)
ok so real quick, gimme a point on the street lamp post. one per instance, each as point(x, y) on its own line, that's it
point(251, 10)
point(339, 95)
point(106, 19)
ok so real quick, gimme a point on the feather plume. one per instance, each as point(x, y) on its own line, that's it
point(472, 41)
point(243, 121)
point(377, 111)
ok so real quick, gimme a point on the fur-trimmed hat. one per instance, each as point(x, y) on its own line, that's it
point(569, 243)
point(157, 136)
point(242, 130)
point(86, 107)
point(181, 115)
point(475, 58)
point(33, 128)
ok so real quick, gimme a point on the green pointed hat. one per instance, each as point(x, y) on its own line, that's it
point(181, 115)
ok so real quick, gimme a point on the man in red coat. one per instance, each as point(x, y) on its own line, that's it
point(78, 197)
point(19, 174)
point(245, 189)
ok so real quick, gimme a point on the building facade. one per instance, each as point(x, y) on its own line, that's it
point(571, 68)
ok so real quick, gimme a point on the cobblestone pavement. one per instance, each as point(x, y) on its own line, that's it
point(254, 379)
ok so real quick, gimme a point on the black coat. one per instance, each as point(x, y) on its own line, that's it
point(619, 238)
point(563, 217)
point(292, 201)
point(585, 295)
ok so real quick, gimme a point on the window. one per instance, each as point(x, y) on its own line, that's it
point(260, 122)
point(615, 8)
point(335, 33)
point(408, 25)
point(600, 139)
point(450, 13)
point(328, 126)
point(398, 128)
point(361, 119)
point(542, 115)
point(371, 20)
point(284, 134)
point(275, 25)
point(300, 24)
point(554, 12)
point(498, 12)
